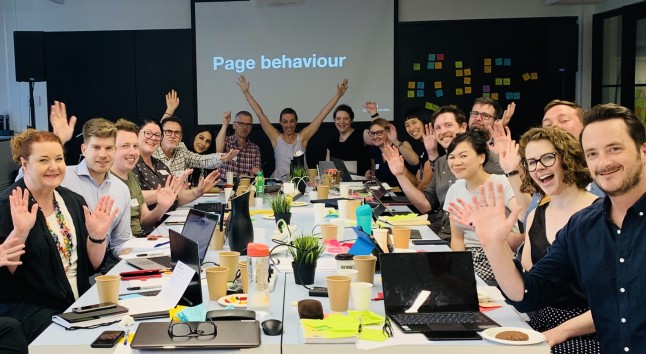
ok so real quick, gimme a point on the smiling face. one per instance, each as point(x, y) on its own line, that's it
point(45, 166)
point(127, 152)
point(378, 135)
point(414, 128)
point(464, 161)
point(548, 178)
point(242, 126)
point(446, 128)
point(149, 137)
point(202, 141)
point(172, 135)
point(565, 117)
point(99, 154)
point(615, 163)
point(342, 121)
point(482, 115)
point(288, 122)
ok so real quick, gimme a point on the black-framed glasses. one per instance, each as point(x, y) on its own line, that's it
point(376, 133)
point(177, 133)
point(150, 135)
point(483, 115)
point(388, 328)
point(192, 329)
point(244, 125)
point(547, 160)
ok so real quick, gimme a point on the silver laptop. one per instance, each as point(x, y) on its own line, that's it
point(230, 335)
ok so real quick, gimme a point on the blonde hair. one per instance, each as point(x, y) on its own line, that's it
point(22, 143)
point(100, 128)
point(125, 125)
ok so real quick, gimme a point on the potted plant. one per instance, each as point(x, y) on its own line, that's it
point(305, 250)
point(281, 204)
point(300, 177)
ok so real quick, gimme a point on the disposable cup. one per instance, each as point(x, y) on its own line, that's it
point(340, 230)
point(339, 292)
point(401, 237)
point(229, 177)
point(328, 232)
point(323, 191)
point(366, 267)
point(227, 194)
point(216, 279)
point(108, 288)
point(313, 195)
point(344, 191)
point(319, 213)
point(258, 201)
point(352, 208)
point(217, 241)
point(288, 188)
point(343, 208)
point(381, 236)
point(352, 273)
point(361, 296)
point(230, 259)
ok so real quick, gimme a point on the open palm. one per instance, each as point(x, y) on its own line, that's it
point(23, 218)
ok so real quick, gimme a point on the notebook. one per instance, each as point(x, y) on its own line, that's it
point(199, 226)
point(432, 292)
point(230, 335)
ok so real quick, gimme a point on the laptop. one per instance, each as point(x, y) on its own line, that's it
point(444, 285)
point(345, 174)
point(230, 335)
point(199, 226)
point(384, 197)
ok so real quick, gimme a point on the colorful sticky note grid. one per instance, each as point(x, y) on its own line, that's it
point(487, 62)
point(467, 90)
point(459, 91)
point(494, 96)
point(411, 94)
point(509, 95)
point(431, 57)
point(498, 81)
point(486, 94)
point(486, 88)
point(420, 93)
point(420, 84)
point(506, 81)
point(440, 57)
point(498, 61)
point(439, 93)
point(467, 81)
point(438, 65)
point(416, 66)
point(526, 76)
point(487, 69)
point(458, 64)
point(411, 84)
point(516, 95)
point(507, 62)
point(459, 73)
point(467, 72)
point(534, 76)
point(430, 65)
point(438, 84)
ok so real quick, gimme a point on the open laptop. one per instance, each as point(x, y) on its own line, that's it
point(345, 174)
point(199, 226)
point(384, 197)
point(230, 335)
point(449, 280)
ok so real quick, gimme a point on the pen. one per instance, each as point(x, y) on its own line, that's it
point(150, 254)
point(125, 341)
point(161, 244)
point(145, 287)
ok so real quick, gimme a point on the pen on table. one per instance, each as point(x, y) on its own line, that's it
point(125, 341)
point(161, 244)
point(144, 287)
point(150, 254)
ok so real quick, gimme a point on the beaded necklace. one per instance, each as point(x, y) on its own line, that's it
point(66, 248)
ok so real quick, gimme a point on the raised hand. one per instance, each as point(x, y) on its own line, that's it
point(501, 136)
point(208, 182)
point(23, 218)
point(429, 138)
point(226, 118)
point(371, 107)
point(488, 215)
point(172, 100)
point(10, 251)
point(392, 133)
point(509, 158)
point(342, 87)
point(63, 128)
point(230, 155)
point(167, 195)
point(508, 113)
point(243, 83)
point(99, 220)
point(394, 159)
point(460, 213)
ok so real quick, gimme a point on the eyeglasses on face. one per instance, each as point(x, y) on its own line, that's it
point(376, 133)
point(483, 115)
point(169, 133)
point(150, 135)
point(547, 160)
point(193, 329)
point(244, 125)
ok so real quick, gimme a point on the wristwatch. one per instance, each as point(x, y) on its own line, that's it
point(512, 173)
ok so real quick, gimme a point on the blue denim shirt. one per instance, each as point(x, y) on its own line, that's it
point(609, 263)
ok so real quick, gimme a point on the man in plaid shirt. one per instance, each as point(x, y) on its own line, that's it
point(248, 159)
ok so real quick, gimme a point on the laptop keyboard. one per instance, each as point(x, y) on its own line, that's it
point(443, 317)
point(163, 261)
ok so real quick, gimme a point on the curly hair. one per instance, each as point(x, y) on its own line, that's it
point(575, 170)
point(22, 143)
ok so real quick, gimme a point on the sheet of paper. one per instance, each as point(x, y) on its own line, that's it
point(158, 252)
point(142, 242)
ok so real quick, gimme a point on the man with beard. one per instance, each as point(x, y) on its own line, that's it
point(602, 247)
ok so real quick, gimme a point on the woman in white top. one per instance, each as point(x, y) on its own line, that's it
point(467, 155)
point(289, 142)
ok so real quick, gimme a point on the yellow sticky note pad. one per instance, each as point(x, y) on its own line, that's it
point(526, 76)
point(487, 69)
point(534, 76)
point(438, 65)
point(467, 81)
point(416, 66)
point(506, 81)
point(494, 96)
point(438, 84)
point(467, 72)
point(458, 64)
point(498, 81)
point(487, 62)
point(467, 90)
point(459, 73)
point(459, 91)
point(411, 84)
point(411, 94)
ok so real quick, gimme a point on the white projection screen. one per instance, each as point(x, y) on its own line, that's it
point(293, 55)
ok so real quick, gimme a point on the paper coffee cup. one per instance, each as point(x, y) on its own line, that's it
point(343, 208)
point(340, 230)
point(401, 237)
point(339, 292)
point(108, 288)
point(352, 273)
point(217, 241)
point(344, 191)
point(361, 296)
point(323, 191)
point(216, 279)
point(230, 259)
point(328, 232)
point(229, 177)
point(381, 236)
point(352, 208)
point(366, 267)
point(319, 213)
point(258, 201)
point(288, 188)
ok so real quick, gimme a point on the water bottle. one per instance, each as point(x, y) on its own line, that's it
point(364, 218)
point(258, 275)
point(260, 185)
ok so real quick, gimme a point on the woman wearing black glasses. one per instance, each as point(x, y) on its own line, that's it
point(379, 135)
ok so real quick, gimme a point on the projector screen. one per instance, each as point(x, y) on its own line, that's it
point(293, 55)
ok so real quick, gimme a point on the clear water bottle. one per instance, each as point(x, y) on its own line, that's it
point(258, 275)
point(260, 185)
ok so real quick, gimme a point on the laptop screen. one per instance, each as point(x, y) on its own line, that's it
point(449, 276)
point(184, 249)
point(199, 226)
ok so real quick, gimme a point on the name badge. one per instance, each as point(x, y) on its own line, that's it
point(134, 203)
point(376, 166)
point(163, 172)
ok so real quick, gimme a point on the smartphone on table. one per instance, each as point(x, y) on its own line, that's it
point(95, 307)
point(108, 339)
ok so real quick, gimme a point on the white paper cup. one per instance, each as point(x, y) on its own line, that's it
point(319, 213)
point(381, 235)
point(343, 208)
point(258, 202)
point(344, 191)
point(229, 177)
point(314, 195)
point(361, 296)
point(352, 273)
point(227, 194)
point(288, 188)
point(340, 230)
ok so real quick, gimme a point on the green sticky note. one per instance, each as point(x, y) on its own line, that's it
point(458, 64)
point(416, 66)
point(374, 335)
point(498, 81)
point(506, 81)
point(411, 94)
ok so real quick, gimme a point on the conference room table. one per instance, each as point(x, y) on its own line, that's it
point(284, 296)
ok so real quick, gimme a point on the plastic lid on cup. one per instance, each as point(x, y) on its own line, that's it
point(344, 257)
point(257, 250)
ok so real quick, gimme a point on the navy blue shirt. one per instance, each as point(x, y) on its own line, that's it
point(609, 263)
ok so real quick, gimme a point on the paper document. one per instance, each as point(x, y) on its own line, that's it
point(142, 242)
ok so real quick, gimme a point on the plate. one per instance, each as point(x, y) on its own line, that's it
point(237, 300)
point(534, 337)
point(299, 204)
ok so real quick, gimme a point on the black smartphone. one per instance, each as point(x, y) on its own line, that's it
point(95, 307)
point(429, 242)
point(108, 339)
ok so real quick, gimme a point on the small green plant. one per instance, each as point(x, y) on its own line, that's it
point(306, 249)
point(281, 204)
point(298, 174)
